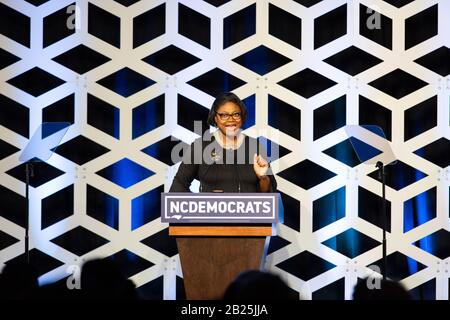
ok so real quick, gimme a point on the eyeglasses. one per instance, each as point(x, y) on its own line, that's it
point(226, 116)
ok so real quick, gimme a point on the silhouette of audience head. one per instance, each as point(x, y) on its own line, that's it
point(102, 279)
point(386, 290)
point(18, 281)
point(258, 285)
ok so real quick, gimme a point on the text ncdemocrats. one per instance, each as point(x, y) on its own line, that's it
point(223, 207)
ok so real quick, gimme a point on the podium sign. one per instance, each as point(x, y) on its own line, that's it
point(219, 208)
point(218, 236)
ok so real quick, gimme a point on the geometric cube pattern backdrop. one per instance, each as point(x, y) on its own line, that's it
point(132, 76)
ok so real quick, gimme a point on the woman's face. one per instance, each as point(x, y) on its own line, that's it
point(229, 119)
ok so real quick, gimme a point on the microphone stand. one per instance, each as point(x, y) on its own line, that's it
point(28, 173)
point(213, 157)
point(382, 177)
point(238, 178)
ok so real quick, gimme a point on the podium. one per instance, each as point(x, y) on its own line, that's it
point(215, 248)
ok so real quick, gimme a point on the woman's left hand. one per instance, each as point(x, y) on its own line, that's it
point(260, 165)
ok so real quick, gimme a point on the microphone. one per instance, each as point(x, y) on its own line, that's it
point(213, 157)
point(238, 178)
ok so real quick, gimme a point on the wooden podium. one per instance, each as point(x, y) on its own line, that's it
point(212, 256)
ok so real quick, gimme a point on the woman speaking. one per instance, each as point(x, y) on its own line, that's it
point(227, 160)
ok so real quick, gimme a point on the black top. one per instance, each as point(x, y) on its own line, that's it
point(220, 169)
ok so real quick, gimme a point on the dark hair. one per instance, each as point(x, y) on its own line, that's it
point(221, 99)
point(103, 279)
point(388, 290)
point(258, 285)
point(18, 281)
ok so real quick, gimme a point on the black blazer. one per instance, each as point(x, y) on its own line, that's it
point(220, 169)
